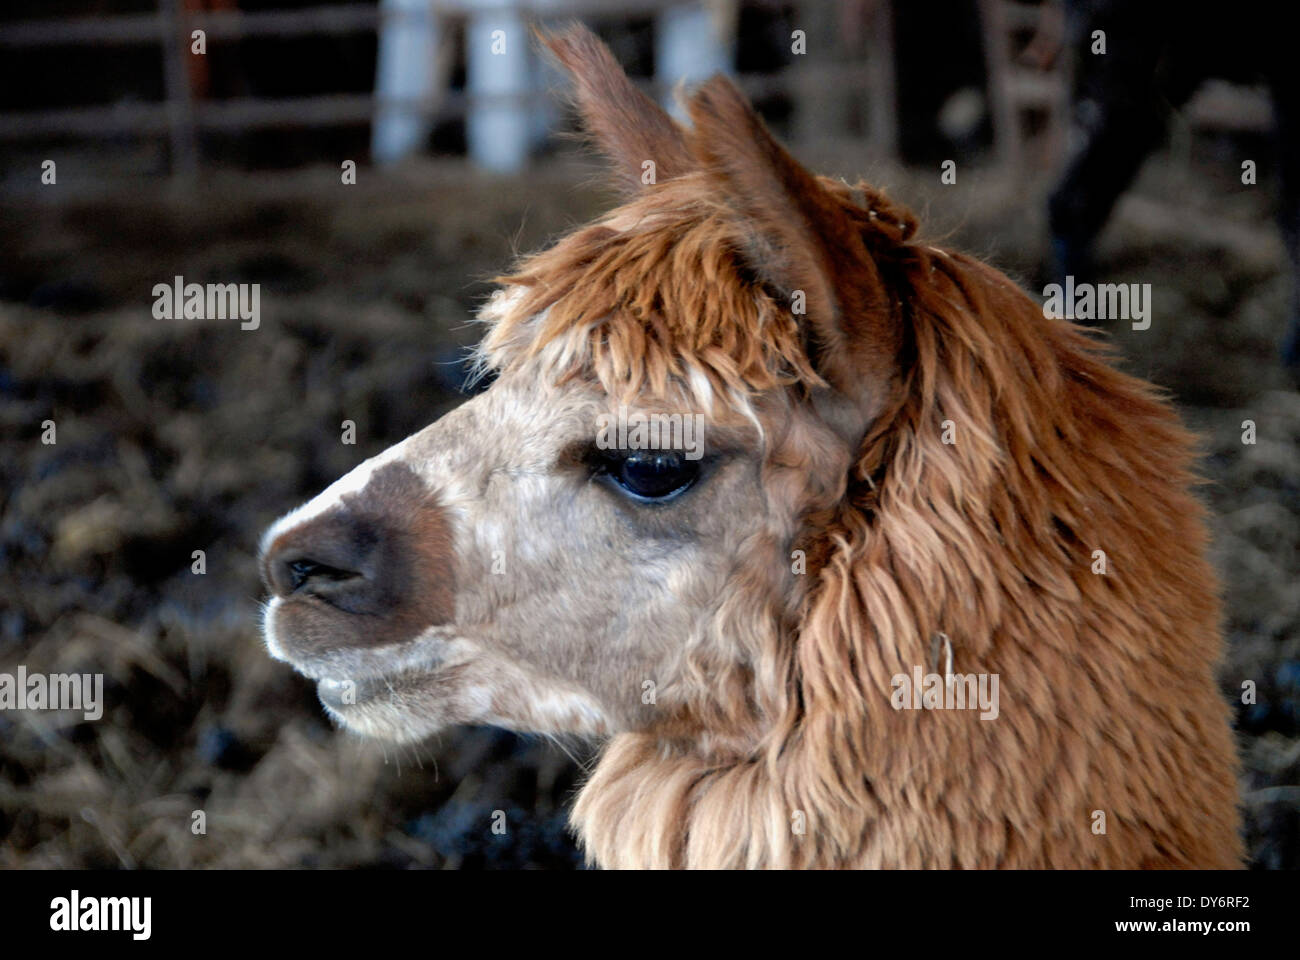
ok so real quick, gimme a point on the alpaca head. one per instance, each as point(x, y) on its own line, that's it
point(748, 451)
point(617, 534)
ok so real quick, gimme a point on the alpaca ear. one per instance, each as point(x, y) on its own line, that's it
point(628, 127)
point(799, 238)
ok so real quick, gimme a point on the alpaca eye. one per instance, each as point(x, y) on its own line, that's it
point(654, 474)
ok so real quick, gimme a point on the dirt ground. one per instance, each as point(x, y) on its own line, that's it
point(176, 436)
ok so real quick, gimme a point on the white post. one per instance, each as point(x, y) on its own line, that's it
point(408, 49)
point(690, 45)
point(497, 63)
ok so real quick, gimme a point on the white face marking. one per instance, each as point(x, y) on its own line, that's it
point(352, 482)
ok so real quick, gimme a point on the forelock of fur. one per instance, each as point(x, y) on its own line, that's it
point(658, 295)
point(658, 303)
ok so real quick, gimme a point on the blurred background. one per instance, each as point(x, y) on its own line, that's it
point(371, 166)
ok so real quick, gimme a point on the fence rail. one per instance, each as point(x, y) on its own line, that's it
point(325, 110)
point(181, 116)
point(142, 28)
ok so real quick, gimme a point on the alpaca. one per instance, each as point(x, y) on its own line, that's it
point(907, 473)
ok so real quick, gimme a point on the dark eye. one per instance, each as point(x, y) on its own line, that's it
point(653, 474)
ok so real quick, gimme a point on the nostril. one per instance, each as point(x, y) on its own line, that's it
point(335, 558)
point(296, 574)
point(300, 572)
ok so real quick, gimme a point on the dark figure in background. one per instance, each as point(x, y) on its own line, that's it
point(1157, 53)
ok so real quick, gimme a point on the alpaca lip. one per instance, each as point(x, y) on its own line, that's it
point(338, 694)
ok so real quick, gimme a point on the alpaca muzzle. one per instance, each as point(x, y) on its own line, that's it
point(358, 571)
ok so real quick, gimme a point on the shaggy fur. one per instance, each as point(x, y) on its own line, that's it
point(1109, 702)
